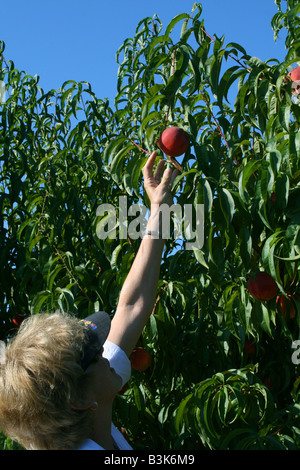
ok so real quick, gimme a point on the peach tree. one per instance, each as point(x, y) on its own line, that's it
point(225, 365)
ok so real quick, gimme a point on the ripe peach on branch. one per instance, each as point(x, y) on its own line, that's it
point(261, 286)
point(140, 359)
point(174, 141)
point(294, 76)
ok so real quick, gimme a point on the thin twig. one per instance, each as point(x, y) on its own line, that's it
point(222, 49)
point(143, 150)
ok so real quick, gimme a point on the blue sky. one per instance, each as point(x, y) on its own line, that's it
point(77, 40)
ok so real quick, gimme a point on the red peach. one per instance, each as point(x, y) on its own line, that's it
point(17, 320)
point(140, 359)
point(250, 347)
point(286, 305)
point(174, 141)
point(294, 75)
point(262, 286)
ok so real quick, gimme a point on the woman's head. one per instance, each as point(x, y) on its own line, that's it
point(41, 377)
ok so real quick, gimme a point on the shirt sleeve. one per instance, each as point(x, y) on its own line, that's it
point(118, 360)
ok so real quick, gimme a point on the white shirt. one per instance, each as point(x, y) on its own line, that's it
point(121, 363)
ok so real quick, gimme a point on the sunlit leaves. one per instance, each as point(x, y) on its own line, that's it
point(234, 401)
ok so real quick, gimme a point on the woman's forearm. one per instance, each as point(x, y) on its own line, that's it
point(138, 294)
point(140, 286)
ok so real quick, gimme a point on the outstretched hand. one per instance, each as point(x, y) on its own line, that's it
point(158, 186)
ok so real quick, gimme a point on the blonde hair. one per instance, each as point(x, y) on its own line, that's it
point(40, 377)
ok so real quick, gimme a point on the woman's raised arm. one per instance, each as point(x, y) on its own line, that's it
point(138, 293)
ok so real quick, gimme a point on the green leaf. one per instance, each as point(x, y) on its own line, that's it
point(275, 161)
point(223, 404)
point(118, 162)
point(262, 315)
point(139, 396)
point(52, 275)
point(179, 416)
point(112, 148)
point(152, 67)
point(205, 196)
point(268, 251)
point(228, 78)
point(199, 255)
point(40, 299)
point(232, 435)
point(266, 181)
point(285, 116)
point(132, 174)
point(248, 171)
point(174, 21)
point(292, 258)
point(227, 205)
point(282, 187)
point(65, 299)
point(164, 39)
